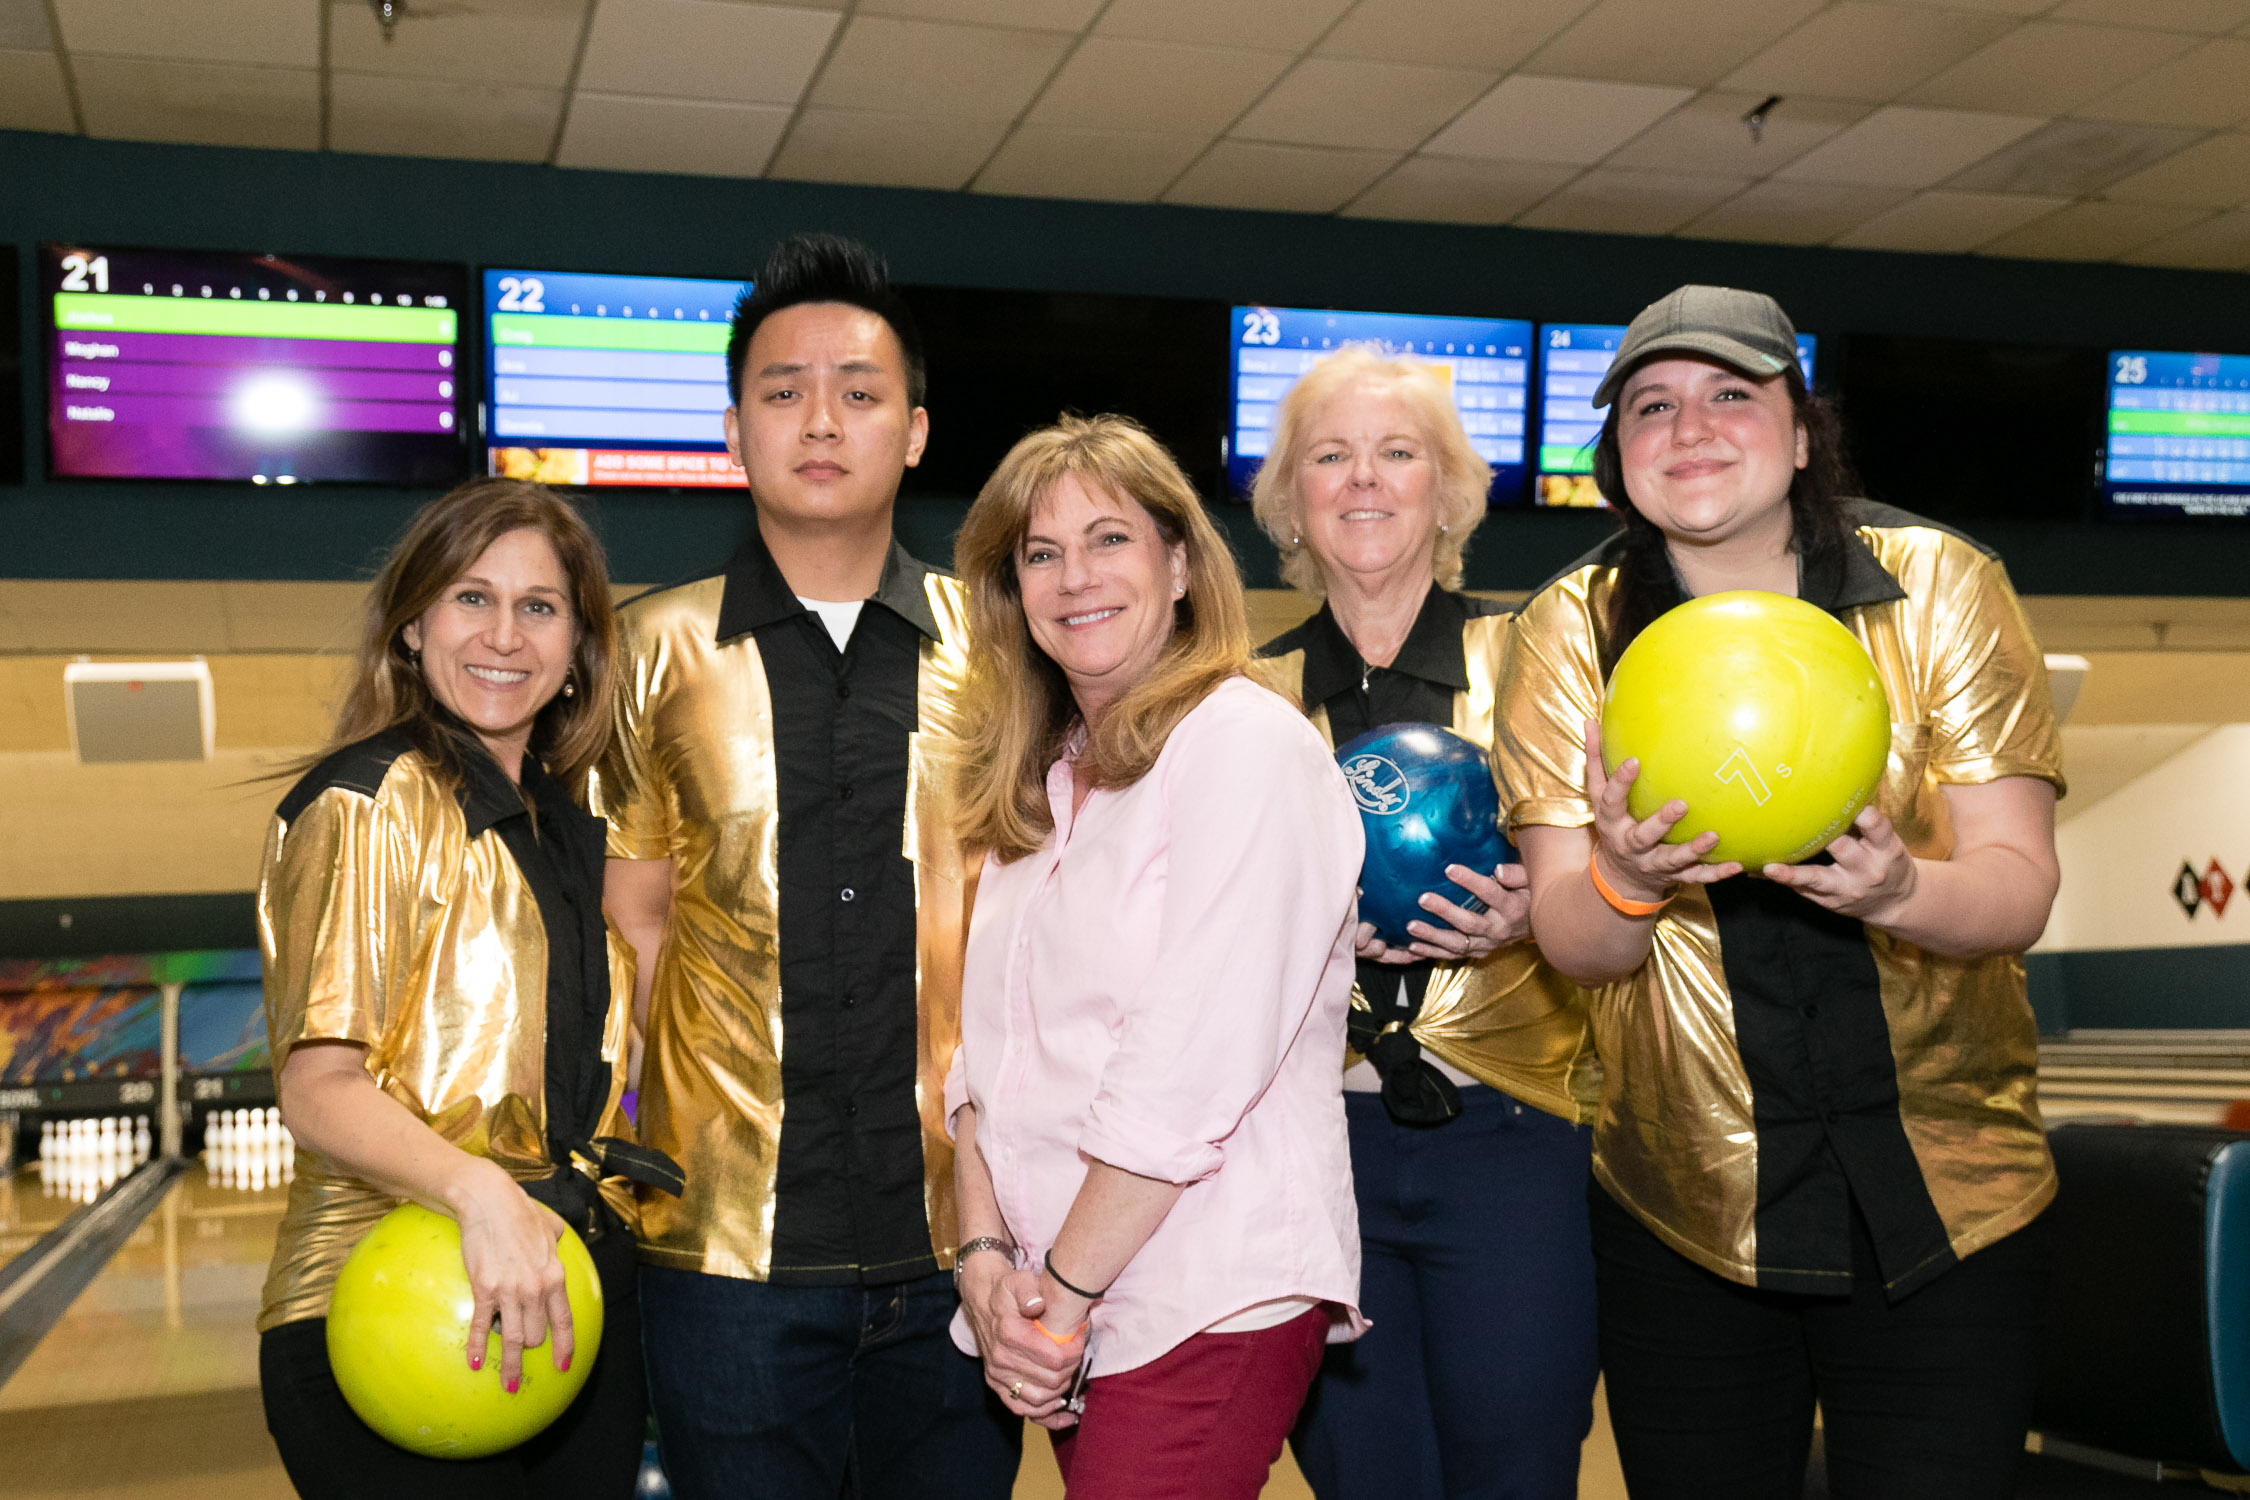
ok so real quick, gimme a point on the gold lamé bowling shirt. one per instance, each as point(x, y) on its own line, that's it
point(1772, 1064)
point(393, 914)
point(1509, 1021)
point(806, 998)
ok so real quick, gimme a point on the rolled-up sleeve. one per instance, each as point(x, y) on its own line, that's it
point(329, 912)
point(1550, 685)
point(628, 788)
point(1260, 879)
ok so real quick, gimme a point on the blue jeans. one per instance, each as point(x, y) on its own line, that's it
point(811, 1393)
point(1477, 1380)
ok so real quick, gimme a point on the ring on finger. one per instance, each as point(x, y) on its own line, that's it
point(1016, 1390)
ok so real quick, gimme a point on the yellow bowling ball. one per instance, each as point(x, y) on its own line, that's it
point(1761, 713)
point(398, 1332)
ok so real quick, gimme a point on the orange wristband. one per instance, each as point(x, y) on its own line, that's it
point(1061, 1340)
point(1620, 904)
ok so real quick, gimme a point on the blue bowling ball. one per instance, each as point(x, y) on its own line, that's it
point(1426, 799)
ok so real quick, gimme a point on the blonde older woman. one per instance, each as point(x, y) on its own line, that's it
point(1469, 1077)
point(1151, 1154)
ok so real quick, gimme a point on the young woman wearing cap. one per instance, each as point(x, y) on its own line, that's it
point(1820, 1166)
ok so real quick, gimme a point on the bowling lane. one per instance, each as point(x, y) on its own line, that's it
point(148, 1384)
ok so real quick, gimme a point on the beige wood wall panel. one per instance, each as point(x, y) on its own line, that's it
point(165, 829)
point(262, 701)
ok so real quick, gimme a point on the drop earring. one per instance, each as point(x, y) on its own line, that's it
point(570, 689)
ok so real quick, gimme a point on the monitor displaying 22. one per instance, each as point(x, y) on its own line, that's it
point(608, 380)
point(179, 364)
point(1485, 361)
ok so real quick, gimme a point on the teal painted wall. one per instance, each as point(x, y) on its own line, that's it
point(57, 187)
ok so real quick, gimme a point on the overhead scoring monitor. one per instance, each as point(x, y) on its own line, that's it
point(1486, 363)
point(2178, 434)
point(608, 380)
point(178, 364)
point(1573, 357)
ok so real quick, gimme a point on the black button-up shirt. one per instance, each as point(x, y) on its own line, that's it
point(849, 1184)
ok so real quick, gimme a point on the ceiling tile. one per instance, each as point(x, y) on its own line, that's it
point(2209, 87)
point(1865, 51)
point(1707, 135)
point(1448, 190)
point(1155, 86)
point(1944, 223)
point(2072, 158)
point(1904, 147)
point(937, 71)
point(1569, 121)
point(705, 49)
point(23, 26)
point(1117, 166)
point(1295, 179)
point(2093, 231)
point(2217, 244)
point(441, 117)
point(1666, 41)
point(1793, 213)
point(1283, 25)
point(275, 33)
point(2208, 16)
point(1037, 15)
point(695, 136)
point(199, 104)
point(460, 39)
point(2210, 174)
point(1610, 202)
point(2045, 68)
point(885, 150)
point(1450, 33)
point(31, 93)
point(1332, 101)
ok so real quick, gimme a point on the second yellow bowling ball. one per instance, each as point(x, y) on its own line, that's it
point(1759, 711)
point(398, 1336)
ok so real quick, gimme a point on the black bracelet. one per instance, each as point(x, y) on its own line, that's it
point(1056, 1277)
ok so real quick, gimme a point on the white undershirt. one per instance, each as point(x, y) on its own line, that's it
point(839, 618)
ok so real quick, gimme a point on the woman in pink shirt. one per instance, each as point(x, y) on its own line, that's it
point(1154, 1175)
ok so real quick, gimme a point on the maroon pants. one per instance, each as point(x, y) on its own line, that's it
point(1204, 1422)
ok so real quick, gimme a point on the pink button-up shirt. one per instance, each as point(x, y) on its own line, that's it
point(1162, 986)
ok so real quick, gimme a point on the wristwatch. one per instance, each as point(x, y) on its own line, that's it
point(981, 1242)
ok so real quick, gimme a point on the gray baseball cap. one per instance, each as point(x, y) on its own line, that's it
point(1745, 330)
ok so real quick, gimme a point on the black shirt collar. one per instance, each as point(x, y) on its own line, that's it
point(1432, 649)
point(489, 798)
point(1852, 581)
point(756, 595)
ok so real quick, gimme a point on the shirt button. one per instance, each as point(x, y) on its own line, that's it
point(1007, 1153)
point(848, 894)
point(850, 1001)
point(851, 1107)
point(844, 793)
point(843, 690)
point(1811, 1011)
point(1834, 1115)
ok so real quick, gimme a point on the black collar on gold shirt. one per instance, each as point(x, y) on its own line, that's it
point(1432, 649)
point(757, 595)
point(489, 798)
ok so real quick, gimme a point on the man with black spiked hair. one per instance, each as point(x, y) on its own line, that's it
point(780, 861)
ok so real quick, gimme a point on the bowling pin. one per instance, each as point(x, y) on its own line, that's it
point(140, 1139)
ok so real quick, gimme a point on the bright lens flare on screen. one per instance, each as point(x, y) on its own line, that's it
point(274, 402)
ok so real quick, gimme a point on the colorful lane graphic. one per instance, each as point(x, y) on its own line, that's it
point(609, 380)
point(1486, 362)
point(169, 365)
point(2179, 434)
point(1573, 357)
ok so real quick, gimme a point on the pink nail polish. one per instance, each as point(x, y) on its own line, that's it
point(566, 1363)
point(476, 1361)
point(512, 1386)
